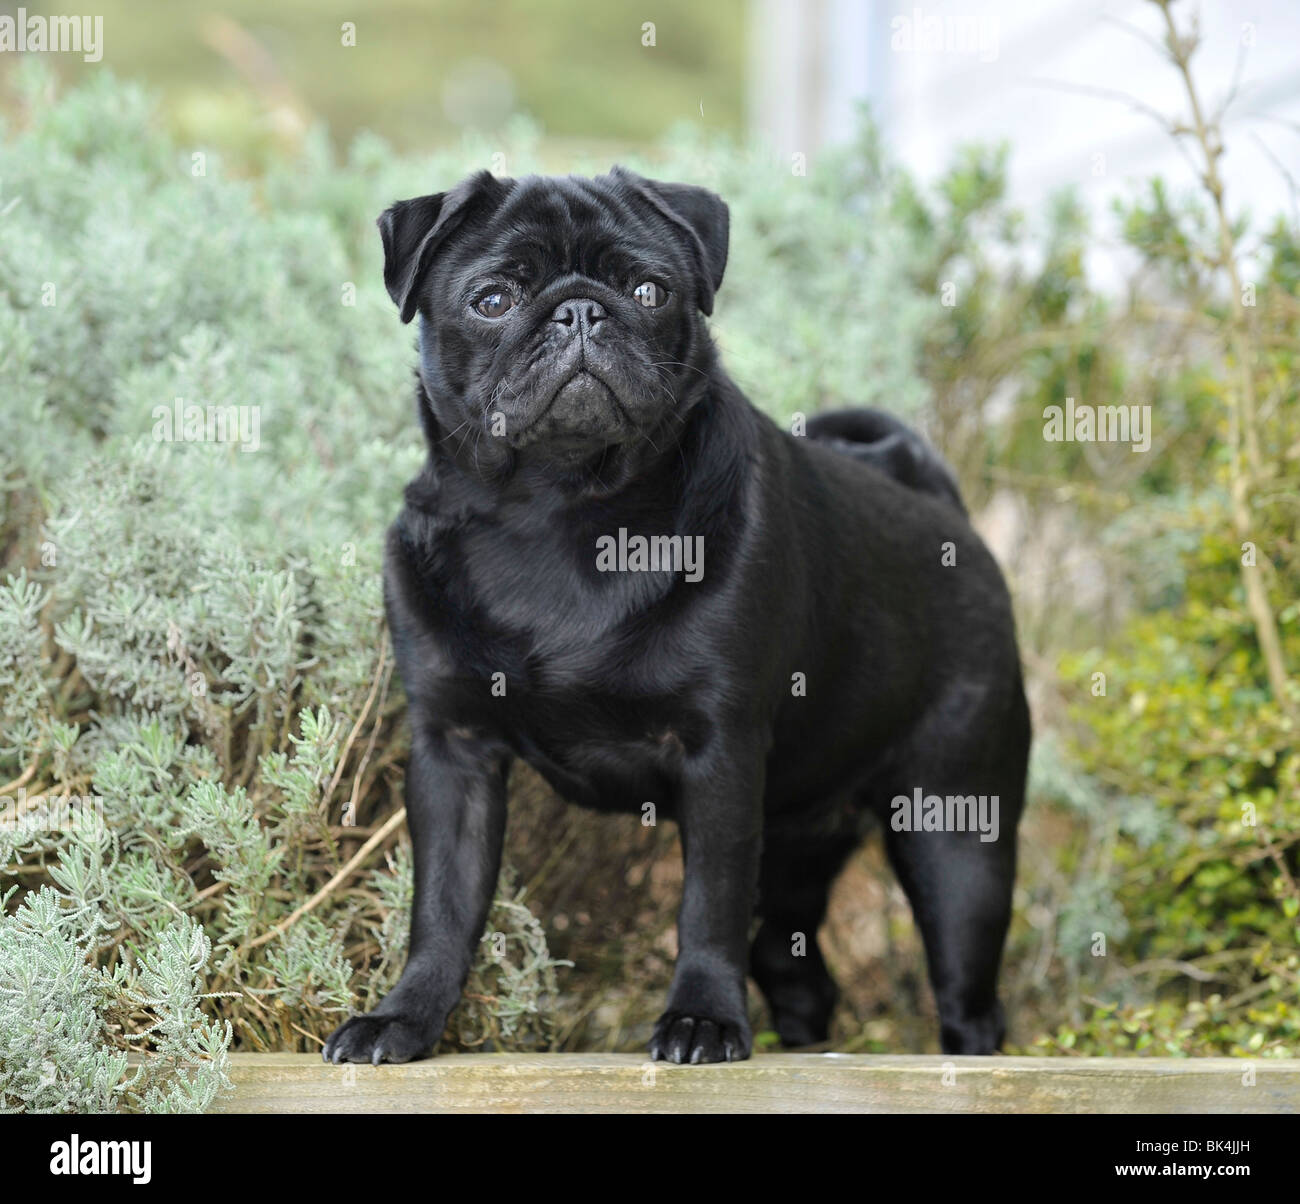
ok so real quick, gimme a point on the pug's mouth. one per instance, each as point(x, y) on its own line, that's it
point(583, 415)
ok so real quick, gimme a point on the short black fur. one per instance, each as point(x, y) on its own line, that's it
point(850, 639)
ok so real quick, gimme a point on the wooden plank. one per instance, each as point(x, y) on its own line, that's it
point(784, 1082)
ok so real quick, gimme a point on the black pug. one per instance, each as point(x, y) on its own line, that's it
point(616, 568)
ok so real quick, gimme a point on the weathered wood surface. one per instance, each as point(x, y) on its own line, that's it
point(765, 1083)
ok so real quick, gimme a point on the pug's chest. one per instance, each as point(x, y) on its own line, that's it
point(578, 679)
point(613, 772)
point(572, 716)
point(596, 748)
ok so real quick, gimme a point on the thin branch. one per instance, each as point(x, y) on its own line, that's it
point(1285, 174)
point(1176, 130)
point(356, 727)
point(390, 825)
point(1243, 433)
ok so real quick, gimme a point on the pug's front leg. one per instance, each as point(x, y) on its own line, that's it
point(721, 819)
point(455, 811)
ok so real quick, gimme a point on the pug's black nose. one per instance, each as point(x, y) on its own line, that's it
point(580, 314)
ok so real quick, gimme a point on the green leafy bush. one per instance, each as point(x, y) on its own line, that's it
point(1196, 754)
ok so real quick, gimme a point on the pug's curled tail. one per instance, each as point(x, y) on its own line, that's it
point(889, 444)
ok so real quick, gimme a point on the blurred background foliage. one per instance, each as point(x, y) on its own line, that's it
point(192, 634)
point(248, 76)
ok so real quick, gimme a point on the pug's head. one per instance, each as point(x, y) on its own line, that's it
point(560, 317)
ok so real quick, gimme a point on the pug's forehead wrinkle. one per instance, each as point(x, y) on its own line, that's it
point(573, 199)
point(573, 220)
point(537, 204)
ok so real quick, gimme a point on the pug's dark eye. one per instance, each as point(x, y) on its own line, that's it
point(650, 295)
point(495, 305)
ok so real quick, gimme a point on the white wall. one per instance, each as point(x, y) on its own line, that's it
point(813, 58)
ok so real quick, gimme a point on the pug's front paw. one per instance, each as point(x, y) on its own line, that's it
point(681, 1037)
point(377, 1039)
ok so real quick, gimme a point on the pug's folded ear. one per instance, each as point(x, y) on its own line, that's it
point(702, 216)
point(414, 230)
